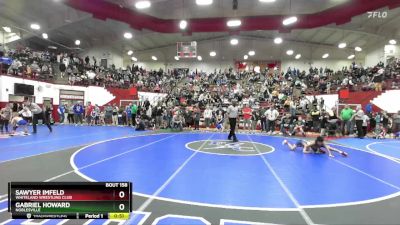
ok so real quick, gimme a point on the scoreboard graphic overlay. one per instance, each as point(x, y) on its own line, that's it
point(70, 200)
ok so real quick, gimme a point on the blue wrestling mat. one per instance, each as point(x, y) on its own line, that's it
point(256, 173)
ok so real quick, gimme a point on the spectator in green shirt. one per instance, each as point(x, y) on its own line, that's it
point(134, 110)
point(346, 116)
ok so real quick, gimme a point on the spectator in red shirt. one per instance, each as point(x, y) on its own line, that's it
point(88, 112)
point(247, 112)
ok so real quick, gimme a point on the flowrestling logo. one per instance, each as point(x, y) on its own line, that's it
point(377, 14)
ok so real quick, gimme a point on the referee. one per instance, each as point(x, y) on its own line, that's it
point(233, 112)
point(37, 113)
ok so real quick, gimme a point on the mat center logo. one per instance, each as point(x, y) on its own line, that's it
point(238, 146)
point(225, 147)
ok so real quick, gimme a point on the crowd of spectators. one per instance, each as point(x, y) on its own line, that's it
point(270, 119)
point(289, 120)
point(86, 71)
point(27, 63)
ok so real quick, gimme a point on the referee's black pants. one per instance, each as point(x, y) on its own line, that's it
point(360, 131)
point(35, 119)
point(232, 123)
point(264, 124)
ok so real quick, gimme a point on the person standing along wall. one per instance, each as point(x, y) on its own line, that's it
point(71, 114)
point(247, 112)
point(385, 120)
point(88, 113)
point(272, 115)
point(396, 122)
point(115, 115)
point(207, 114)
point(61, 113)
point(128, 111)
point(97, 113)
point(263, 119)
point(158, 113)
point(78, 113)
point(196, 118)
point(366, 119)
point(134, 110)
point(5, 117)
point(254, 120)
point(359, 117)
point(345, 115)
point(108, 111)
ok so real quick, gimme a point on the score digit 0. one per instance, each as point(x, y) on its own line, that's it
point(121, 207)
point(121, 194)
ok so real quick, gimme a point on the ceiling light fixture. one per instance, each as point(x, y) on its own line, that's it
point(298, 56)
point(35, 26)
point(289, 52)
point(213, 53)
point(45, 36)
point(183, 24)
point(234, 23)
point(245, 57)
point(234, 41)
point(326, 55)
point(130, 52)
point(154, 58)
point(289, 20)
point(199, 58)
point(252, 53)
point(77, 42)
point(358, 49)
point(204, 2)
point(7, 29)
point(176, 58)
point(127, 35)
point(278, 40)
point(351, 57)
point(267, 1)
point(342, 45)
point(392, 42)
point(143, 4)
point(134, 59)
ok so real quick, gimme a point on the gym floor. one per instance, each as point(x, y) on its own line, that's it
point(201, 178)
